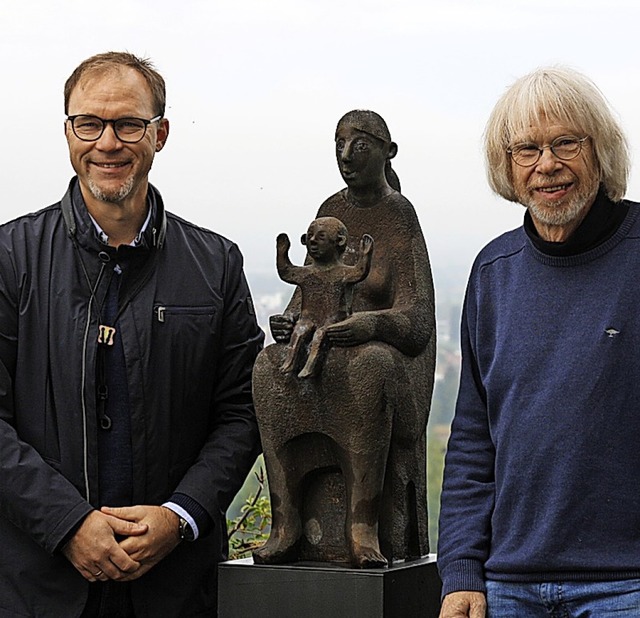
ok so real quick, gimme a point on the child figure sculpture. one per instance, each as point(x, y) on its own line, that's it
point(326, 284)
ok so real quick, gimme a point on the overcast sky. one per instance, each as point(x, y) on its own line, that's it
point(256, 87)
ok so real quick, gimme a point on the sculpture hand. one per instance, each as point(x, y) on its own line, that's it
point(464, 604)
point(281, 327)
point(161, 537)
point(366, 244)
point(282, 242)
point(356, 329)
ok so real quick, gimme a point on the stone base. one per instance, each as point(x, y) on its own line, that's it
point(318, 590)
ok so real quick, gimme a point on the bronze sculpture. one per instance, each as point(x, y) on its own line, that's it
point(345, 449)
point(326, 286)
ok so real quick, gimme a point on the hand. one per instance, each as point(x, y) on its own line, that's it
point(94, 551)
point(283, 243)
point(356, 329)
point(464, 604)
point(161, 537)
point(281, 327)
point(366, 244)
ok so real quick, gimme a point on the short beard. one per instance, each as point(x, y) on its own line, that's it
point(566, 211)
point(114, 197)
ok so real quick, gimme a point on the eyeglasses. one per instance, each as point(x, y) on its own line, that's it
point(128, 130)
point(565, 148)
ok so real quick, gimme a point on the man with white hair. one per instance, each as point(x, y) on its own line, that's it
point(540, 507)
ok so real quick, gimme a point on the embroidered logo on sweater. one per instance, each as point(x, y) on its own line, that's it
point(611, 332)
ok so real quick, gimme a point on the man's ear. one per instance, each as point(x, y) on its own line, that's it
point(393, 150)
point(341, 240)
point(162, 134)
point(303, 239)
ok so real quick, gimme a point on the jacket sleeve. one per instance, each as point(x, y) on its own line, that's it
point(233, 442)
point(34, 496)
point(468, 488)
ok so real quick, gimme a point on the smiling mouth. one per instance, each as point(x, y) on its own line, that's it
point(554, 189)
point(110, 165)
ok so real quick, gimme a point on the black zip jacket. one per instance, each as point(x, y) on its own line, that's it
point(190, 338)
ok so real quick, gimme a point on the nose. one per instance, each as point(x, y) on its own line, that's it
point(548, 163)
point(109, 140)
point(347, 151)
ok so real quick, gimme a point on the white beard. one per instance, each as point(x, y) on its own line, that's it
point(565, 211)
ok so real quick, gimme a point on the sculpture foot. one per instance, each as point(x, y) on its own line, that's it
point(364, 557)
point(287, 367)
point(277, 551)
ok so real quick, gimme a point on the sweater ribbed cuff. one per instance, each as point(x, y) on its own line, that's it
point(463, 575)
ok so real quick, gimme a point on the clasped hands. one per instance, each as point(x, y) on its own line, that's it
point(122, 543)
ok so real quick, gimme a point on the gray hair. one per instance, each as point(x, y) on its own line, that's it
point(561, 94)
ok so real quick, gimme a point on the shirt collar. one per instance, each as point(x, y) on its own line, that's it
point(104, 239)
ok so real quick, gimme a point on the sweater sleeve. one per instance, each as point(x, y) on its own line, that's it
point(469, 485)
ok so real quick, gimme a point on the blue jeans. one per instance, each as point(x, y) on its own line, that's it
point(619, 599)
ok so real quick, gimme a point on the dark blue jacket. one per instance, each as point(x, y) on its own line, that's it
point(190, 339)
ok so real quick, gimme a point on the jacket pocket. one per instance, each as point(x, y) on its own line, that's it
point(168, 312)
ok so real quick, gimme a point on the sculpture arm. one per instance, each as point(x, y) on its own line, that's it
point(281, 325)
point(409, 324)
point(286, 270)
point(361, 268)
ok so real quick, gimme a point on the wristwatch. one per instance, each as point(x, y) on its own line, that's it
point(185, 530)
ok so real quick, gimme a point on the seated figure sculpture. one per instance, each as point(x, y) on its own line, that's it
point(326, 284)
point(345, 450)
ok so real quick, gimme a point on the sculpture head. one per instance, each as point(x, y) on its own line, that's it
point(364, 150)
point(326, 239)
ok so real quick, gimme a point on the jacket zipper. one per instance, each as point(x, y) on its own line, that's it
point(162, 310)
point(85, 437)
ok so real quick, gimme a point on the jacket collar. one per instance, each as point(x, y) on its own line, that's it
point(80, 227)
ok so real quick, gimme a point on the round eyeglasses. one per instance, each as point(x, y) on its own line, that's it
point(565, 148)
point(128, 130)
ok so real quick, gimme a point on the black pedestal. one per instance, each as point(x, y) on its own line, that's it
point(313, 590)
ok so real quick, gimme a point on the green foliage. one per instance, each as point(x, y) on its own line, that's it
point(437, 437)
point(250, 528)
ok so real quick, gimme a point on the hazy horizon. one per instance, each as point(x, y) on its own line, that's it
point(255, 91)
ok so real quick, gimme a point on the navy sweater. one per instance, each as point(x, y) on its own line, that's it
point(543, 463)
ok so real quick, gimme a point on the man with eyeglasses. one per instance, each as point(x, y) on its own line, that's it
point(127, 340)
point(540, 506)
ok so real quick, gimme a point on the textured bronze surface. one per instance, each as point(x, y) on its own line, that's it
point(345, 442)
